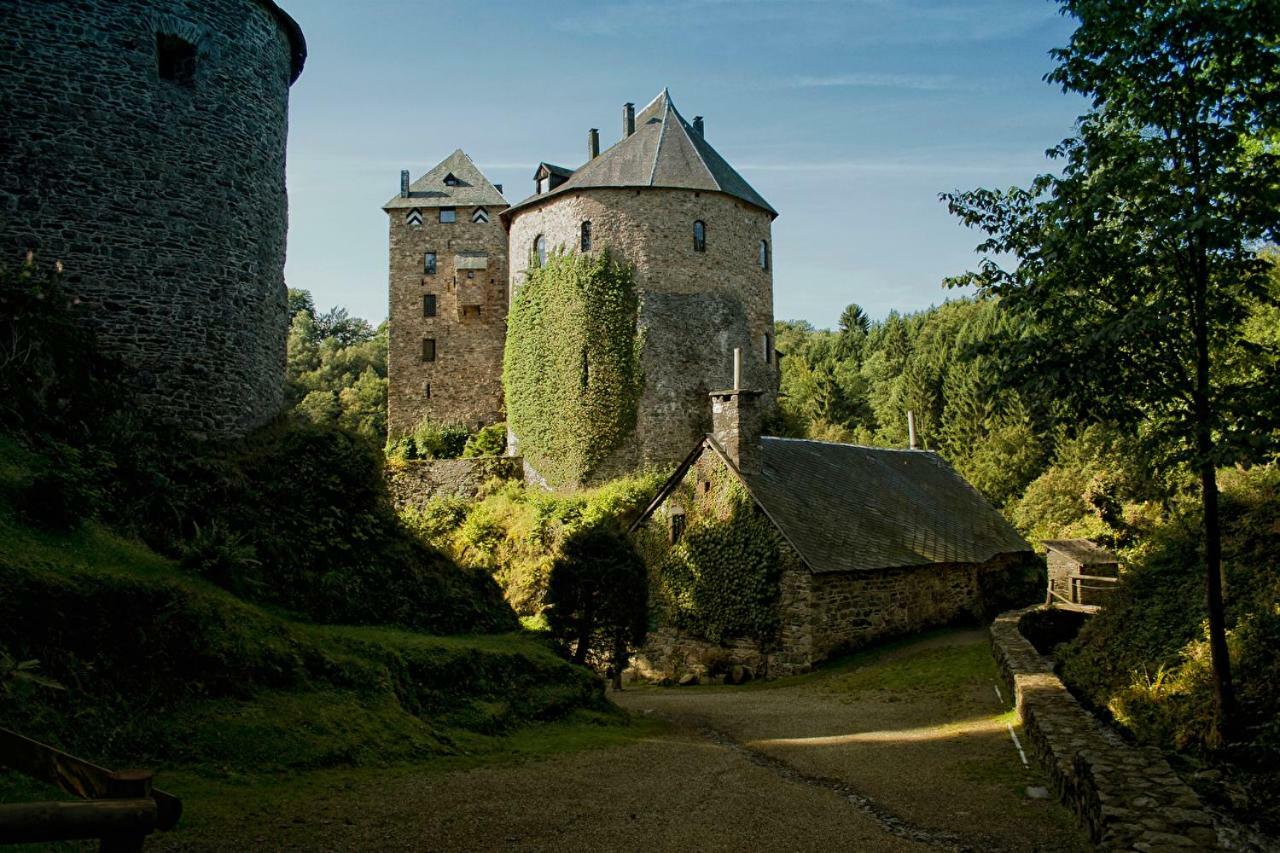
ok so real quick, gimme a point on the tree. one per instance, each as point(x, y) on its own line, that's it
point(1137, 264)
point(300, 300)
point(598, 596)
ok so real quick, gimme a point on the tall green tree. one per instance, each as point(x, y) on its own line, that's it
point(1137, 263)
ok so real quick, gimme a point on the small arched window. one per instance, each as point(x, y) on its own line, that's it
point(540, 250)
point(764, 255)
point(699, 236)
point(586, 235)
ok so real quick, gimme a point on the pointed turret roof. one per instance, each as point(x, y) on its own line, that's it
point(664, 151)
point(470, 187)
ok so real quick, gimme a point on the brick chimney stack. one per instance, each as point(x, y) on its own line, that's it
point(593, 144)
point(697, 125)
point(736, 420)
point(628, 119)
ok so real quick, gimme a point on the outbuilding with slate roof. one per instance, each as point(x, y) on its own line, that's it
point(865, 543)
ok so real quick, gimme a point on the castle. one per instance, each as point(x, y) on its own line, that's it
point(143, 145)
point(696, 235)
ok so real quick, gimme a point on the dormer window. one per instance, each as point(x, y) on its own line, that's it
point(480, 217)
point(699, 236)
point(586, 235)
point(542, 185)
point(414, 218)
point(448, 215)
point(450, 180)
point(764, 255)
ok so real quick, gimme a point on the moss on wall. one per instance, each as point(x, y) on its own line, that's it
point(571, 372)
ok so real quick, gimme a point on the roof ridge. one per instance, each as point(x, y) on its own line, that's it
point(698, 151)
point(662, 135)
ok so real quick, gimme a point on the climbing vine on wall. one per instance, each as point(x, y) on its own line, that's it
point(571, 371)
point(721, 579)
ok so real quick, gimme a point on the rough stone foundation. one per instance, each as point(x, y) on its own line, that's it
point(1126, 797)
point(415, 482)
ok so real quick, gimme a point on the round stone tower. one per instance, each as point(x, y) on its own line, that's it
point(143, 145)
point(698, 238)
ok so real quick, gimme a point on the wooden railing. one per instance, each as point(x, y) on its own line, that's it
point(121, 808)
point(1083, 592)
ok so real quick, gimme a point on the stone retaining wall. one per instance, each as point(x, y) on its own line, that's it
point(1126, 797)
point(415, 482)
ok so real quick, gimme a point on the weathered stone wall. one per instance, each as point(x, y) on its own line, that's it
point(695, 307)
point(416, 481)
point(465, 380)
point(165, 200)
point(825, 615)
point(1126, 797)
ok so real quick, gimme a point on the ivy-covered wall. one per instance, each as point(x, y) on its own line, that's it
point(721, 580)
point(571, 371)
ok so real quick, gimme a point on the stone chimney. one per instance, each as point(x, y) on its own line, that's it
point(404, 183)
point(697, 125)
point(628, 119)
point(593, 144)
point(736, 420)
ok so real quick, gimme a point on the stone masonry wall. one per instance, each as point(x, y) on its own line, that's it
point(463, 386)
point(1126, 797)
point(164, 199)
point(695, 307)
point(415, 482)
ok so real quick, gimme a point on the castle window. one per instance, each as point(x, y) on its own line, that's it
point(428, 349)
point(472, 311)
point(699, 236)
point(540, 249)
point(450, 180)
point(429, 263)
point(764, 255)
point(768, 348)
point(414, 218)
point(429, 305)
point(542, 185)
point(175, 59)
point(426, 390)
point(480, 217)
point(586, 235)
point(677, 526)
point(448, 215)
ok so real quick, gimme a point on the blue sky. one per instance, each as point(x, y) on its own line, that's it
point(849, 116)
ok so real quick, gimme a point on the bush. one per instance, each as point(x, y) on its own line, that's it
point(489, 441)
point(598, 598)
point(429, 440)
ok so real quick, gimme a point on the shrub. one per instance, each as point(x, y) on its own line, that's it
point(222, 557)
point(597, 598)
point(429, 440)
point(489, 441)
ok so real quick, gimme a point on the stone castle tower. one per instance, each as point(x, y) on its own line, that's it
point(143, 145)
point(699, 240)
point(447, 298)
point(697, 236)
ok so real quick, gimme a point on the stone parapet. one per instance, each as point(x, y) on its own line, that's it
point(1126, 797)
point(415, 482)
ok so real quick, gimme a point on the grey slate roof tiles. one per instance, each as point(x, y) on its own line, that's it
point(472, 190)
point(850, 508)
point(664, 151)
point(1083, 551)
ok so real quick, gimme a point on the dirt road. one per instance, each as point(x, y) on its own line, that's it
point(904, 749)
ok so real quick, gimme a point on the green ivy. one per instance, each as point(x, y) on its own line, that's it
point(571, 371)
point(721, 580)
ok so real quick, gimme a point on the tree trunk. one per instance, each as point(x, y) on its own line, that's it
point(1224, 693)
point(584, 636)
point(619, 661)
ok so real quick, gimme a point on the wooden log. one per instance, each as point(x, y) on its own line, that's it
point(82, 778)
point(118, 820)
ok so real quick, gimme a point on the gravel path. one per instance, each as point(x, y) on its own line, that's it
point(817, 763)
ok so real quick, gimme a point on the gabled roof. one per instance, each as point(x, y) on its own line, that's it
point(1083, 551)
point(664, 151)
point(847, 508)
point(473, 188)
point(552, 169)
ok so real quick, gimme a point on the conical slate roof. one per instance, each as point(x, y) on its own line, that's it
point(472, 188)
point(664, 151)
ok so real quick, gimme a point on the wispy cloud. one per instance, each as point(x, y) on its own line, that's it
point(884, 80)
